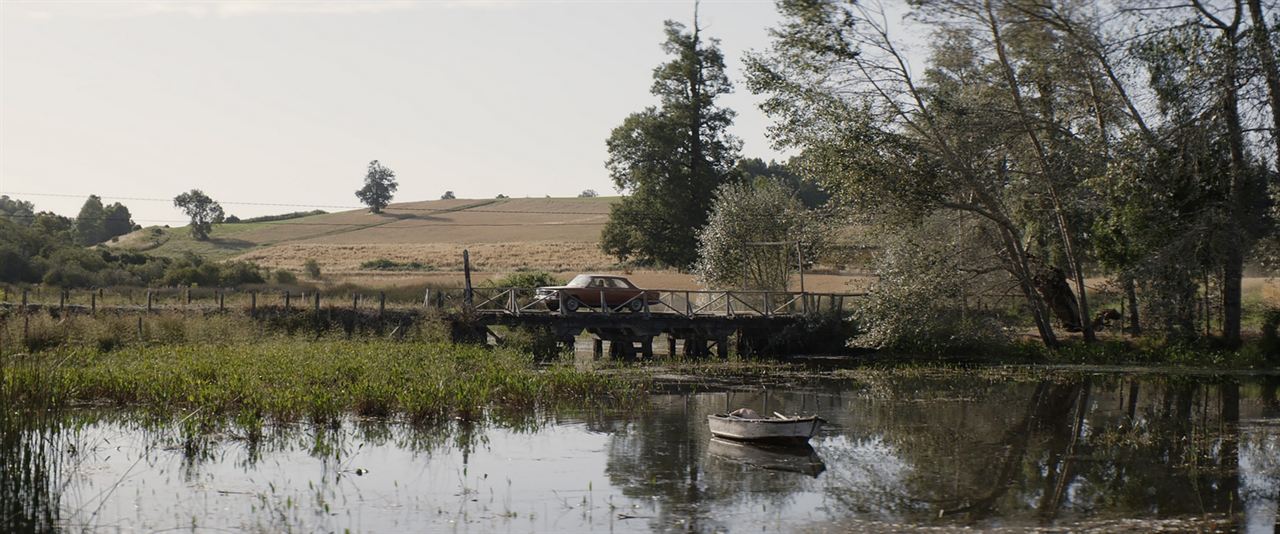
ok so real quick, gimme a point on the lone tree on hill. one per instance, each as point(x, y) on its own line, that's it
point(669, 159)
point(204, 212)
point(448, 195)
point(379, 186)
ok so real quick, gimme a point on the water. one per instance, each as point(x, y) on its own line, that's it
point(938, 449)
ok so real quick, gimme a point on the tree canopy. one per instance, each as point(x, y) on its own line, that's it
point(379, 187)
point(756, 237)
point(203, 211)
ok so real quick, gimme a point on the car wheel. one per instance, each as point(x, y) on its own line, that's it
point(635, 306)
point(572, 304)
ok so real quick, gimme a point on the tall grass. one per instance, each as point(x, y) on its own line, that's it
point(320, 381)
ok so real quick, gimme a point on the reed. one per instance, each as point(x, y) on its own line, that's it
point(289, 380)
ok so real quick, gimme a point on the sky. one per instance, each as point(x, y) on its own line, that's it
point(286, 102)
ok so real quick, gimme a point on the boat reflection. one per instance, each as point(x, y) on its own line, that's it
point(795, 458)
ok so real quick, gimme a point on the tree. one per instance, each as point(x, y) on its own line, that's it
point(448, 195)
point(18, 211)
point(588, 193)
point(899, 147)
point(808, 191)
point(752, 236)
point(203, 211)
point(669, 159)
point(118, 221)
point(90, 227)
point(379, 186)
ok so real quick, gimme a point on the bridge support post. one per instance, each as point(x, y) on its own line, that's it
point(722, 348)
point(646, 348)
point(597, 348)
point(671, 346)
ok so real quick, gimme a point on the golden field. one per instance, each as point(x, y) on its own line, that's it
point(559, 235)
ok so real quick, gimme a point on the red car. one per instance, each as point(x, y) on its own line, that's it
point(589, 289)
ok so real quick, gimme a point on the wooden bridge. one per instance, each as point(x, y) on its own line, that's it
point(701, 322)
point(698, 323)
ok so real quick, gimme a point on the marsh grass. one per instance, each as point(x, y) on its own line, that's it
point(291, 380)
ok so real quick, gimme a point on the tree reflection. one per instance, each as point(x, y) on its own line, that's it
point(963, 447)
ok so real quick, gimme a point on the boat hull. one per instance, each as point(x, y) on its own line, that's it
point(797, 430)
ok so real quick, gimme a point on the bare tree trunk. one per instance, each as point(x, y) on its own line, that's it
point(1131, 294)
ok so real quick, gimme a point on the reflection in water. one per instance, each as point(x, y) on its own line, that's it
point(30, 471)
point(962, 449)
point(796, 458)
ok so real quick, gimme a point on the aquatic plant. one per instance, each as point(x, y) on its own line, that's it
point(318, 381)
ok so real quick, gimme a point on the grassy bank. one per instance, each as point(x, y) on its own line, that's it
point(318, 381)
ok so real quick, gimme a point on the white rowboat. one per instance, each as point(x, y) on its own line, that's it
point(766, 429)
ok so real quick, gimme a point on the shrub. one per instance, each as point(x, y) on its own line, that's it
point(108, 333)
point(525, 279)
point(241, 272)
point(383, 264)
point(285, 277)
point(541, 343)
point(44, 333)
point(312, 268)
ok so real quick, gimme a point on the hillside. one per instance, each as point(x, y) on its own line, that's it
point(503, 234)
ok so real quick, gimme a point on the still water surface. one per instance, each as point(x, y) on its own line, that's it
point(950, 449)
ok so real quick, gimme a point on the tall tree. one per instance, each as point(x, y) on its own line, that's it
point(669, 159)
point(90, 228)
point(379, 186)
point(203, 211)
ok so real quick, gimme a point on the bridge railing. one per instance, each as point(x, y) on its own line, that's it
point(679, 302)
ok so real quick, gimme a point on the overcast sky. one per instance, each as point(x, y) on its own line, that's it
point(286, 102)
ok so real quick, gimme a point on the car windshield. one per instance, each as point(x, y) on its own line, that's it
point(580, 281)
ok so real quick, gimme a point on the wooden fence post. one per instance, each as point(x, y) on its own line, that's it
point(148, 305)
point(286, 301)
point(140, 328)
point(24, 298)
point(426, 298)
point(221, 302)
point(93, 303)
point(62, 300)
point(317, 303)
point(253, 304)
point(355, 301)
point(382, 302)
point(188, 295)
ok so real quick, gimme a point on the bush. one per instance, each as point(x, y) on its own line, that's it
point(525, 280)
point(383, 264)
point(109, 333)
point(541, 343)
point(312, 268)
point(285, 277)
point(44, 333)
point(241, 272)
